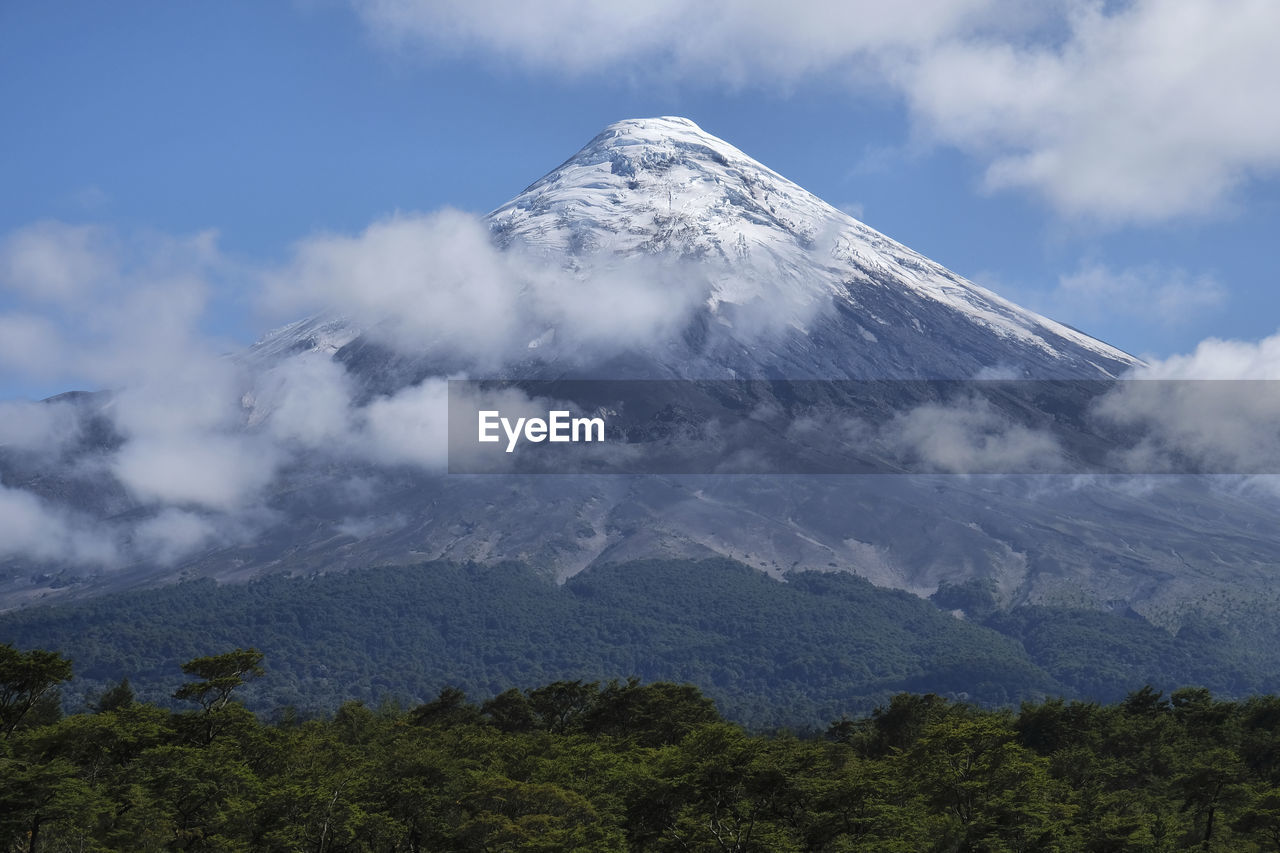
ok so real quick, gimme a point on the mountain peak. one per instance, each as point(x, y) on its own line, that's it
point(663, 186)
point(773, 280)
point(662, 131)
point(657, 124)
point(657, 184)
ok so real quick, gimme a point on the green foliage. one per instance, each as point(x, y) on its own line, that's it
point(1100, 656)
point(118, 696)
point(798, 653)
point(628, 766)
point(219, 676)
point(976, 597)
point(27, 679)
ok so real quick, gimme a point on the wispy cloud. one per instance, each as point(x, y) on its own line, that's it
point(32, 527)
point(1154, 295)
point(968, 436)
point(729, 40)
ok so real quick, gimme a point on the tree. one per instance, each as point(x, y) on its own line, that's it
point(1260, 818)
point(1211, 781)
point(507, 814)
point(559, 705)
point(114, 698)
point(995, 791)
point(898, 725)
point(27, 678)
point(220, 675)
point(510, 711)
point(718, 790)
point(652, 714)
point(450, 708)
point(37, 794)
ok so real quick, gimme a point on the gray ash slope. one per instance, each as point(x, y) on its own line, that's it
point(785, 286)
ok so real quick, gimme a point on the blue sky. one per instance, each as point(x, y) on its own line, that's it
point(1111, 165)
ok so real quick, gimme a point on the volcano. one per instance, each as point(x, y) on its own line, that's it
point(836, 298)
point(770, 282)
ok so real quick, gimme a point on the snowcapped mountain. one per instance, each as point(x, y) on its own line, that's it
point(786, 285)
point(770, 282)
point(664, 185)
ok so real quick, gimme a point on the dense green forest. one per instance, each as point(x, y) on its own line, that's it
point(623, 766)
point(799, 653)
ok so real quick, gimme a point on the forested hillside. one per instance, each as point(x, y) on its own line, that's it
point(573, 766)
point(799, 653)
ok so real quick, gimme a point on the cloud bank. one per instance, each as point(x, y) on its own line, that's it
point(1134, 112)
point(188, 443)
point(191, 442)
point(436, 284)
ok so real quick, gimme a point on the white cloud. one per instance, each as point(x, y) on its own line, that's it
point(611, 306)
point(53, 260)
point(31, 527)
point(729, 40)
point(1216, 409)
point(1153, 294)
point(203, 436)
point(409, 427)
point(124, 311)
point(91, 303)
point(1214, 358)
point(1133, 112)
point(218, 471)
point(30, 345)
point(173, 534)
point(423, 282)
point(1158, 109)
point(1220, 427)
point(31, 427)
point(970, 436)
point(434, 285)
point(305, 399)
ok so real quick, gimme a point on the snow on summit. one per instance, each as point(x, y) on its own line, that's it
point(664, 185)
point(786, 284)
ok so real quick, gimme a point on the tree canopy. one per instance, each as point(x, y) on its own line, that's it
point(628, 766)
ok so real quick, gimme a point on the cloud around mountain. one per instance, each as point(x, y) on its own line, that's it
point(190, 441)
